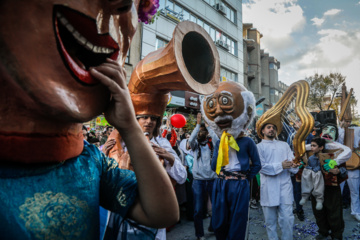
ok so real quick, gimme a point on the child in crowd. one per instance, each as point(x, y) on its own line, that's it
point(312, 180)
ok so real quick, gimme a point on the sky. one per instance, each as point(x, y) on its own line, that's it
point(309, 36)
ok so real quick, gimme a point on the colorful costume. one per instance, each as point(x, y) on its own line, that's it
point(51, 182)
point(330, 217)
point(312, 182)
point(231, 193)
point(69, 196)
point(276, 189)
point(229, 111)
point(152, 80)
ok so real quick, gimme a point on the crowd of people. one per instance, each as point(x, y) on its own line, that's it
point(194, 150)
point(61, 180)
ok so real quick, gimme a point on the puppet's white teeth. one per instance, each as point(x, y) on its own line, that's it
point(81, 39)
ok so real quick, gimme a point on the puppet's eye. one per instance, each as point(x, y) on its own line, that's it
point(225, 100)
point(211, 103)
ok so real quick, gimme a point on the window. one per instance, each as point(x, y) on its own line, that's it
point(170, 5)
point(218, 35)
point(230, 13)
point(213, 34)
point(227, 75)
point(178, 10)
point(160, 43)
point(186, 15)
point(232, 16)
point(200, 22)
point(162, 4)
point(273, 66)
point(232, 48)
point(207, 28)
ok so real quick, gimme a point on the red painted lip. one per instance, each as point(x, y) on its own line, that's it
point(326, 136)
point(87, 27)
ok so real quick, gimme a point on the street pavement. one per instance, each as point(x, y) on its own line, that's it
point(302, 230)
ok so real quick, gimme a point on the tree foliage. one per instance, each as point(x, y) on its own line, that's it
point(337, 81)
point(324, 85)
point(190, 123)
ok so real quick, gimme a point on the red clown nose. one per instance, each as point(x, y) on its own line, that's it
point(178, 120)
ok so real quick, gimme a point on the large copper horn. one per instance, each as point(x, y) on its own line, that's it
point(275, 115)
point(189, 62)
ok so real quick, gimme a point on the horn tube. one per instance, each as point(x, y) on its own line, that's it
point(189, 62)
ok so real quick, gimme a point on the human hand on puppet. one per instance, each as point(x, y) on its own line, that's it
point(120, 112)
point(162, 153)
point(198, 118)
point(287, 164)
point(109, 144)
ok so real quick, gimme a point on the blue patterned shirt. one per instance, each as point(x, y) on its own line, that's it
point(61, 201)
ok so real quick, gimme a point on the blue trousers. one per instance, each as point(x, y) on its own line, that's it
point(297, 193)
point(201, 188)
point(230, 208)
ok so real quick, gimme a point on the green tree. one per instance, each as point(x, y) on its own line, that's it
point(336, 105)
point(319, 86)
point(323, 85)
point(190, 122)
point(336, 81)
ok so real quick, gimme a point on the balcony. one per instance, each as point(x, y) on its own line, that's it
point(250, 44)
point(251, 74)
point(172, 15)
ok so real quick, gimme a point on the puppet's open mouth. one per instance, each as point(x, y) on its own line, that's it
point(224, 123)
point(327, 137)
point(79, 43)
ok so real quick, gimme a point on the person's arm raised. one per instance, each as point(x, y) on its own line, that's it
point(156, 205)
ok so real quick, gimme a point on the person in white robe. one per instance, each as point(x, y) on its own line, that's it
point(276, 190)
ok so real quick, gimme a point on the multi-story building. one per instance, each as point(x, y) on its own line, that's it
point(261, 69)
point(222, 20)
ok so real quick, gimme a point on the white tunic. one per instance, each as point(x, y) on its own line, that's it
point(275, 182)
point(177, 171)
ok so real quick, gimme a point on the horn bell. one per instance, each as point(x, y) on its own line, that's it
point(189, 62)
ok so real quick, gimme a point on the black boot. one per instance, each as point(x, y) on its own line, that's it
point(300, 215)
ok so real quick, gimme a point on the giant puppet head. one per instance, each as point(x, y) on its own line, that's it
point(330, 132)
point(230, 108)
point(47, 48)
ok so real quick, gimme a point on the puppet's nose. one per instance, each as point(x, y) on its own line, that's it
point(218, 110)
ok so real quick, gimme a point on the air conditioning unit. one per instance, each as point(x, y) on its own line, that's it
point(220, 8)
point(222, 44)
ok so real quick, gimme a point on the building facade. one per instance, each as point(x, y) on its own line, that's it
point(222, 20)
point(261, 70)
